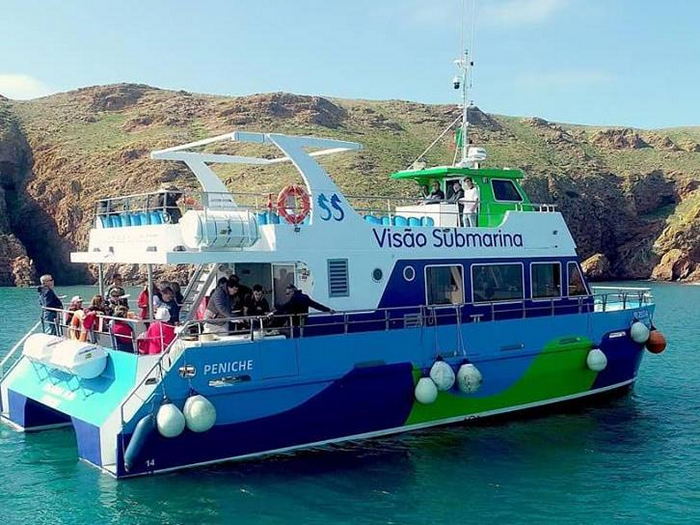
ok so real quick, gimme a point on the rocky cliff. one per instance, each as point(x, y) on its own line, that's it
point(630, 197)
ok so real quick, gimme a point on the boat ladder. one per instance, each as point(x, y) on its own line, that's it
point(198, 286)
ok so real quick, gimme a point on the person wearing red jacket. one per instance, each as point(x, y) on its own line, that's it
point(159, 334)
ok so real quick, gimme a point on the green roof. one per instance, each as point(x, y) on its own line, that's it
point(451, 171)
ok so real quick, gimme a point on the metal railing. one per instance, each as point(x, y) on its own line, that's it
point(63, 328)
point(620, 297)
point(12, 354)
point(165, 207)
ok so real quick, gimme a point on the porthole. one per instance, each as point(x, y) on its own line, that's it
point(377, 274)
point(409, 273)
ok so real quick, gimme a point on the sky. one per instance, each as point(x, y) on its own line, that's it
point(600, 62)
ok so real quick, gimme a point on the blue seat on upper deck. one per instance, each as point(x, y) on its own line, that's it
point(400, 221)
point(427, 221)
point(386, 221)
point(372, 219)
point(156, 217)
point(414, 221)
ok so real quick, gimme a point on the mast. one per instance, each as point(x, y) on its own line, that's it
point(462, 81)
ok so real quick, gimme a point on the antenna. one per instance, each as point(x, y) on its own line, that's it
point(470, 157)
point(464, 65)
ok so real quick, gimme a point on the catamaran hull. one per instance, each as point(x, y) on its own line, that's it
point(280, 395)
point(543, 408)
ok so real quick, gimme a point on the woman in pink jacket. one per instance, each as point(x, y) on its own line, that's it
point(159, 334)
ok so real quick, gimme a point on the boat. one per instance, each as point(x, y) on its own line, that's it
point(429, 322)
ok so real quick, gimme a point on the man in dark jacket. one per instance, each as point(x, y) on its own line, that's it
point(49, 299)
point(167, 201)
point(117, 287)
point(219, 306)
point(256, 304)
point(455, 198)
point(298, 303)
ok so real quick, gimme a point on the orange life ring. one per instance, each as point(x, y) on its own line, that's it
point(291, 215)
point(77, 330)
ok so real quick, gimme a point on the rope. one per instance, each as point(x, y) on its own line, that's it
point(435, 141)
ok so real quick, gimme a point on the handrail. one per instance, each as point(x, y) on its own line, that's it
point(143, 202)
point(622, 288)
point(14, 349)
point(494, 310)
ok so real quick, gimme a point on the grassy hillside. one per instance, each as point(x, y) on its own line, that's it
point(630, 195)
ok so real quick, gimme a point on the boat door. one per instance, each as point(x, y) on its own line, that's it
point(282, 276)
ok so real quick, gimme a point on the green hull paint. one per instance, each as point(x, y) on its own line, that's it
point(559, 370)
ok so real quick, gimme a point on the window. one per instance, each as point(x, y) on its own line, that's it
point(377, 274)
point(505, 190)
point(449, 191)
point(545, 280)
point(338, 279)
point(282, 276)
point(577, 286)
point(409, 273)
point(497, 282)
point(444, 285)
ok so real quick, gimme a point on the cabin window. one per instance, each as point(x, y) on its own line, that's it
point(338, 278)
point(497, 282)
point(444, 285)
point(505, 190)
point(577, 286)
point(545, 280)
point(449, 190)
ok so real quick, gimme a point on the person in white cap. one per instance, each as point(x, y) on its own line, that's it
point(76, 303)
point(159, 334)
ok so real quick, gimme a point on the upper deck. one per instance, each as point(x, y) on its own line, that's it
point(212, 224)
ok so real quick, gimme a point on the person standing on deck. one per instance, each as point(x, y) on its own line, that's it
point(256, 304)
point(218, 310)
point(168, 301)
point(298, 304)
point(167, 202)
point(49, 299)
point(471, 203)
point(456, 198)
point(118, 289)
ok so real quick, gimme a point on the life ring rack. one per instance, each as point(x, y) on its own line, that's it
point(293, 216)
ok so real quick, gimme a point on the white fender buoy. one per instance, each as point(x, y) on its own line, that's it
point(426, 392)
point(639, 332)
point(200, 413)
point(596, 360)
point(442, 375)
point(469, 378)
point(170, 421)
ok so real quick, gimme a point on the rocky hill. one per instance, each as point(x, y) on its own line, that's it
point(630, 196)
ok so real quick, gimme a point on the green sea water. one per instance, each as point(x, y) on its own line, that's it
point(635, 459)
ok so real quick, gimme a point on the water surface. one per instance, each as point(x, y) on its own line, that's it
point(635, 459)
